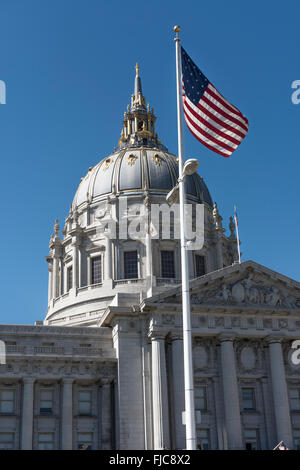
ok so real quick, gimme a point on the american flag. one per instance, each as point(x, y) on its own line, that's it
point(215, 122)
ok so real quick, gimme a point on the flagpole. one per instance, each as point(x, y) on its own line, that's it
point(186, 313)
point(237, 234)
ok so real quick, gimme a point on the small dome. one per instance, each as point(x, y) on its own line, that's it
point(135, 170)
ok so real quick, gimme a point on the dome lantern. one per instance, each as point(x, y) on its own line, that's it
point(139, 121)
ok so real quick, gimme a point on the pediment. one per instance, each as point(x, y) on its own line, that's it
point(247, 284)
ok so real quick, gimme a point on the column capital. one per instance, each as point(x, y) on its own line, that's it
point(67, 380)
point(105, 381)
point(29, 380)
point(226, 337)
point(156, 335)
point(273, 339)
point(176, 337)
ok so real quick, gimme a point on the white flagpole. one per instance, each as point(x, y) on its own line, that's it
point(237, 234)
point(186, 313)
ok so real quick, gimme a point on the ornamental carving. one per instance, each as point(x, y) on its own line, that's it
point(131, 159)
point(248, 356)
point(247, 291)
point(157, 159)
point(106, 164)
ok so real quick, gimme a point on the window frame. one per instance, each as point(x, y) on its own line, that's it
point(93, 258)
point(257, 440)
point(161, 263)
point(85, 413)
point(196, 255)
point(126, 252)
point(46, 410)
point(45, 442)
point(12, 442)
point(253, 408)
point(13, 401)
point(82, 443)
point(69, 280)
point(292, 408)
point(204, 398)
point(207, 437)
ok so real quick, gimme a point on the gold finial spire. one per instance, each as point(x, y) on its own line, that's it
point(137, 68)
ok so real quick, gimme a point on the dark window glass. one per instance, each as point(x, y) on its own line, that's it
point(70, 277)
point(7, 401)
point(248, 398)
point(294, 394)
point(130, 265)
point(199, 265)
point(251, 439)
point(85, 440)
point(7, 440)
point(96, 270)
point(200, 398)
point(167, 264)
point(46, 401)
point(203, 439)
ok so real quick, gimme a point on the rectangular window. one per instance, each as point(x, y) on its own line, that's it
point(167, 264)
point(251, 439)
point(248, 399)
point(69, 278)
point(200, 398)
point(7, 440)
point(130, 265)
point(46, 401)
point(199, 265)
point(203, 439)
point(85, 440)
point(85, 403)
point(7, 401)
point(296, 434)
point(96, 264)
point(46, 441)
point(294, 394)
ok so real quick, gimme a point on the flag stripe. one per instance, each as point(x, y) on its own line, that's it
point(215, 117)
point(214, 121)
point(211, 138)
point(202, 128)
point(223, 115)
point(208, 142)
point(231, 136)
point(216, 101)
point(225, 103)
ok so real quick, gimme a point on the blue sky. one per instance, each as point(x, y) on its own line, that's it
point(69, 70)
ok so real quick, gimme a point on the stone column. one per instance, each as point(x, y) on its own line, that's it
point(280, 393)
point(27, 414)
point(67, 415)
point(231, 394)
point(55, 277)
point(219, 251)
point(107, 423)
point(75, 266)
point(178, 390)
point(160, 394)
point(108, 260)
point(50, 282)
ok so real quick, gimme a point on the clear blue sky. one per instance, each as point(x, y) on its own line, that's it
point(69, 69)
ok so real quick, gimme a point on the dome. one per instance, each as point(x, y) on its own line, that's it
point(135, 170)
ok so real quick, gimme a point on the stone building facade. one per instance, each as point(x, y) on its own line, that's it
point(105, 367)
